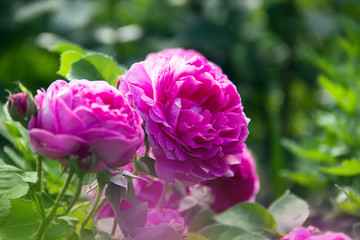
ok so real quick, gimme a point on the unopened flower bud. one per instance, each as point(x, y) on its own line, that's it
point(17, 105)
point(21, 106)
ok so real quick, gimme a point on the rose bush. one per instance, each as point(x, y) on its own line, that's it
point(193, 114)
point(242, 186)
point(89, 120)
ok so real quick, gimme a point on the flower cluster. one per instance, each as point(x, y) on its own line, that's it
point(195, 126)
point(194, 157)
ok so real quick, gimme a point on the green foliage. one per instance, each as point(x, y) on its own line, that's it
point(348, 168)
point(267, 48)
point(12, 184)
point(242, 221)
point(22, 221)
point(201, 220)
point(250, 217)
point(93, 66)
point(331, 153)
point(219, 231)
point(289, 211)
point(4, 208)
point(66, 59)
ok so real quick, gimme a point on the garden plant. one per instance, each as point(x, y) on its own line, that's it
point(170, 146)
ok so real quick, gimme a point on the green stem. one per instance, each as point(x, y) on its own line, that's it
point(39, 172)
point(44, 224)
point(38, 194)
point(76, 196)
point(94, 207)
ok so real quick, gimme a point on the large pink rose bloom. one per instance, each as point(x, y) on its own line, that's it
point(83, 119)
point(242, 186)
point(312, 233)
point(193, 114)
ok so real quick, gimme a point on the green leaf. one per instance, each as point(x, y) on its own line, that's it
point(30, 177)
point(66, 59)
point(345, 98)
point(351, 195)
point(146, 165)
point(87, 235)
point(14, 156)
point(201, 220)
point(219, 231)
point(194, 236)
point(250, 217)
point(95, 66)
point(307, 179)
point(347, 168)
point(59, 228)
point(22, 222)
point(62, 47)
point(289, 212)
point(13, 185)
point(313, 154)
point(9, 168)
point(81, 215)
point(103, 236)
point(4, 208)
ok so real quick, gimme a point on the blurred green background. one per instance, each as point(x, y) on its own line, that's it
point(266, 47)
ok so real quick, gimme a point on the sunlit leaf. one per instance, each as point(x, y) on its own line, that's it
point(250, 217)
point(313, 154)
point(13, 185)
point(346, 98)
point(62, 47)
point(66, 59)
point(289, 212)
point(219, 231)
point(347, 168)
point(95, 66)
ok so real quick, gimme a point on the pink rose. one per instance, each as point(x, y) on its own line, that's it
point(242, 186)
point(193, 114)
point(83, 119)
point(167, 216)
point(312, 233)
